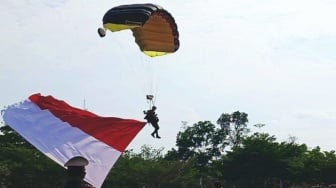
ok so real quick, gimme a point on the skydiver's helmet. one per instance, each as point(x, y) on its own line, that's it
point(154, 108)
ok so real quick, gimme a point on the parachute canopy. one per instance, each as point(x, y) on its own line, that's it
point(153, 27)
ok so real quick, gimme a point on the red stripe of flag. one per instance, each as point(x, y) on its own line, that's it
point(115, 132)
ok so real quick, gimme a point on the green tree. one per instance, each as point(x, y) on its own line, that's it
point(10, 137)
point(235, 126)
point(149, 169)
point(202, 141)
point(261, 161)
point(21, 165)
point(26, 167)
point(317, 167)
point(328, 169)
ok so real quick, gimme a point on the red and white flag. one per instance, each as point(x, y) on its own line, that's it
point(61, 132)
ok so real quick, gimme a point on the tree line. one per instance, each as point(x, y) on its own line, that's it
point(225, 152)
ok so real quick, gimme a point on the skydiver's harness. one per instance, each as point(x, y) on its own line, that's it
point(150, 114)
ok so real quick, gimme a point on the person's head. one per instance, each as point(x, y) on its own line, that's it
point(217, 184)
point(76, 167)
point(154, 108)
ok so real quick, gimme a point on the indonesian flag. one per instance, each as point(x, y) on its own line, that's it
point(62, 132)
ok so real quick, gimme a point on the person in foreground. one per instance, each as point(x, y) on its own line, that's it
point(152, 118)
point(217, 184)
point(76, 173)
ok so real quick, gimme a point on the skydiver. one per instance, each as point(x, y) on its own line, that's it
point(152, 118)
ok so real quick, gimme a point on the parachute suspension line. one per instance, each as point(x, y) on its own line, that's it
point(156, 92)
point(150, 22)
point(149, 75)
point(152, 80)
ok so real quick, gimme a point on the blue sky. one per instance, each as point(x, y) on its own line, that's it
point(271, 59)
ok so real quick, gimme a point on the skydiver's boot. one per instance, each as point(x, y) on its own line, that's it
point(153, 135)
point(157, 136)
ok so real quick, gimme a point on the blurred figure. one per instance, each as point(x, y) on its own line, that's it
point(76, 173)
point(152, 118)
point(217, 184)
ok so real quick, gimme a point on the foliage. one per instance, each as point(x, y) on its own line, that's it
point(21, 165)
point(235, 126)
point(202, 141)
point(149, 169)
point(199, 159)
point(10, 137)
point(260, 160)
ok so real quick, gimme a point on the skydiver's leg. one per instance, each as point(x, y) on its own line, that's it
point(156, 126)
point(154, 132)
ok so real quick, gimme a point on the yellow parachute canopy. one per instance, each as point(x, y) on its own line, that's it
point(154, 29)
